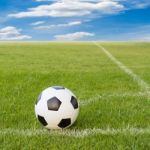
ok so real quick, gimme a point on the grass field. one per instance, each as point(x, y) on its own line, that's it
point(114, 97)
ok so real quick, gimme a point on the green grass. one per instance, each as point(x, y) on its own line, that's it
point(28, 68)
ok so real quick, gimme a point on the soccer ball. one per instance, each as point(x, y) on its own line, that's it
point(56, 108)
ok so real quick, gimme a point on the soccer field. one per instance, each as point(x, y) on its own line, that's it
point(111, 81)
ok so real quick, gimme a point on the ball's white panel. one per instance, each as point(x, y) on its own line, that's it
point(40, 108)
point(53, 118)
point(74, 116)
point(69, 92)
point(66, 110)
point(48, 93)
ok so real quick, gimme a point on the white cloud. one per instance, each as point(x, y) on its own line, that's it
point(43, 0)
point(47, 27)
point(71, 24)
point(68, 8)
point(37, 23)
point(141, 4)
point(73, 36)
point(143, 38)
point(12, 33)
point(135, 4)
point(141, 33)
point(134, 33)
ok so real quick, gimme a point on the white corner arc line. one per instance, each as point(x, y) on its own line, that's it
point(144, 86)
point(75, 133)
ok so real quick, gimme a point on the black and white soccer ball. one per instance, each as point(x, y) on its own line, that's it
point(56, 108)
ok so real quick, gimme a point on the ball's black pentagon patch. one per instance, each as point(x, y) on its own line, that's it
point(58, 87)
point(64, 123)
point(53, 104)
point(38, 99)
point(74, 102)
point(42, 120)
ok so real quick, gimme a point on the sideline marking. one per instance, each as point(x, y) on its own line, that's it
point(76, 133)
point(128, 71)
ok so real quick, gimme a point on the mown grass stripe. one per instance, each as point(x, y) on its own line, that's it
point(128, 71)
point(76, 133)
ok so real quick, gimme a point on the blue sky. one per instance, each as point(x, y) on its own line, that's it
point(69, 20)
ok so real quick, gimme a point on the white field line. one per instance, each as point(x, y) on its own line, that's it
point(105, 96)
point(75, 133)
point(144, 86)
